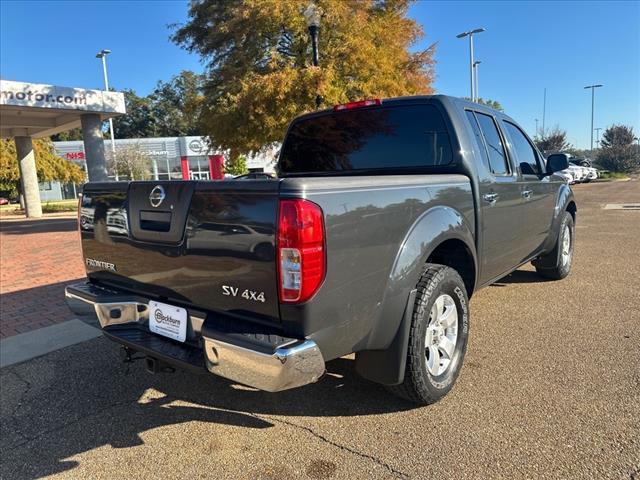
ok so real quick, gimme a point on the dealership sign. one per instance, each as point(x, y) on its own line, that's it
point(35, 95)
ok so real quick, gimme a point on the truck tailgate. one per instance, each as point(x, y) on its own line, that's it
point(206, 244)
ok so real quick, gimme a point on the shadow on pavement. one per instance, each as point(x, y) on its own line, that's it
point(84, 397)
point(43, 225)
point(519, 276)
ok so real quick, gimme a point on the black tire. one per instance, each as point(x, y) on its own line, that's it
point(419, 385)
point(562, 266)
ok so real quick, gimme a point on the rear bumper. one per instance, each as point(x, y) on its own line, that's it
point(251, 356)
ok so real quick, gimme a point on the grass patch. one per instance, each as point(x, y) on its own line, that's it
point(61, 206)
point(607, 175)
point(47, 207)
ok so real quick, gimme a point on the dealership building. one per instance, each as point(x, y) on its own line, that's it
point(165, 158)
point(30, 110)
point(34, 110)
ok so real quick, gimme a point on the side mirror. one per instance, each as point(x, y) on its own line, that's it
point(557, 162)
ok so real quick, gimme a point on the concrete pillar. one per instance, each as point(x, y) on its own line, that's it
point(28, 177)
point(94, 147)
point(154, 163)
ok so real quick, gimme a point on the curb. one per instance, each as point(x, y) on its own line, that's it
point(26, 346)
point(44, 217)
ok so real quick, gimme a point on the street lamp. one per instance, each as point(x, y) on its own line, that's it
point(102, 54)
point(475, 75)
point(598, 136)
point(470, 35)
point(312, 15)
point(536, 126)
point(593, 89)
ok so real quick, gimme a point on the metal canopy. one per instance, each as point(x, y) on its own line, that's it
point(37, 110)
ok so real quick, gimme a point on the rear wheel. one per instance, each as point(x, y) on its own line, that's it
point(562, 254)
point(438, 336)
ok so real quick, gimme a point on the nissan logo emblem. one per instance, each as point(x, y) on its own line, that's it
point(156, 197)
point(196, 146)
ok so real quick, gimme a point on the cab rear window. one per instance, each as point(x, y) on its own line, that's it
point(380, 139)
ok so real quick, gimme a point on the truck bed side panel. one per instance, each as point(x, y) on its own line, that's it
point(367, 219)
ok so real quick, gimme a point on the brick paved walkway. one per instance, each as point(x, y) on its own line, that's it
point(37, 259)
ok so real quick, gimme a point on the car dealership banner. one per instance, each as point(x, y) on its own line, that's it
point(35, 95)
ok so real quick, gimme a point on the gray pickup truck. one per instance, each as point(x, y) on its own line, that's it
point(385, 217)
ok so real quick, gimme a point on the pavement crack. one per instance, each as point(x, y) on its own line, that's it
point(64, 425)
point(345, 448)
point(23, 395)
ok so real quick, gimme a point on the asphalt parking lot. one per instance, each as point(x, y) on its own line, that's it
point(550, 389)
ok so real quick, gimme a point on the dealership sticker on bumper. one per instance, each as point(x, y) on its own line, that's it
point(168, 320)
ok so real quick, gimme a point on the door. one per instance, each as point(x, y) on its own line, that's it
point(536, 189)
point(499, 197)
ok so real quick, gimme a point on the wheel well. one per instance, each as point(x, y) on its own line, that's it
point(572, 209)
point(455, 254)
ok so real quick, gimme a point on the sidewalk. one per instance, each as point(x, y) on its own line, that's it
point(38, 258)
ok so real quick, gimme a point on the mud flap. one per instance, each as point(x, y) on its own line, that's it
point(387, 366)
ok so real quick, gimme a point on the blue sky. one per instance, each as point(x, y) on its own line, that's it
point(528, 46)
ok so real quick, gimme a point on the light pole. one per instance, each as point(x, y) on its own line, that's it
point(536, 126)
point(470, 35)
point(593, 89)
point(544, 112)
point(598, 136)
point(312, 15)
point(102, 54)
point(475, 74)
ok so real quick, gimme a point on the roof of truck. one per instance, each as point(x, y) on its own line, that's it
point(442, 99)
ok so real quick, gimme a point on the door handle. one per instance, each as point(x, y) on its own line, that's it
point(526, 194)
point(490, 198)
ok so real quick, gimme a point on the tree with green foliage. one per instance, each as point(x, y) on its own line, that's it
point(617, 136)
point(171, 110)
point(237, 166)
point(489, 103)
point(139, 122)
point(552, 141)
point(617, 150)
point(49, 166)
point(259, 65)
point(68, 135)
point(176, 105)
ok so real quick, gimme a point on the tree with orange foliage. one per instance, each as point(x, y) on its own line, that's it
point(259, 67)
point(49, 166)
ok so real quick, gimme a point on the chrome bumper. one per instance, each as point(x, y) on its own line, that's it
point(288, 367)
point(291, 365)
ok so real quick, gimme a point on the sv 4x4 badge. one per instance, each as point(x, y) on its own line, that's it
point(246, 294)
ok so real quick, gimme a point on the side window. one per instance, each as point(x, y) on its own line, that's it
point(478, 134)
point(523, 150)
point(497, 155)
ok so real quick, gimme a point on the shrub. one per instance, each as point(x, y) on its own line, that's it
point(619, 159)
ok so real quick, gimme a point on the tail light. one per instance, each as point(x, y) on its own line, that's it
point(301, 250)
point(358, 104)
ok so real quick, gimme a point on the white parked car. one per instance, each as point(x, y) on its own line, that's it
point(588, 173)
point(579, 173)
point(566, 176)
point(592, 173)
